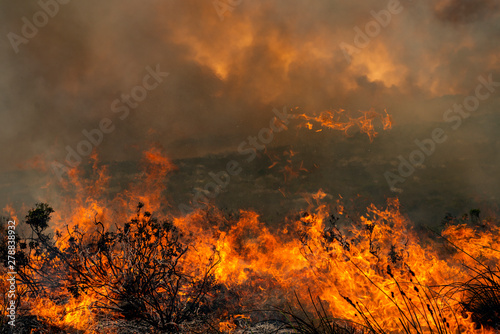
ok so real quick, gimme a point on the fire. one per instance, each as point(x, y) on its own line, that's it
point(372, 270)
point(340, 120)
point(377, 266)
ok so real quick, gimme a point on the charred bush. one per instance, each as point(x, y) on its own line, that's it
point(136, 272)
point(481, 297)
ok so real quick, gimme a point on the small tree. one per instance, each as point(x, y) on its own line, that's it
point(39, 217)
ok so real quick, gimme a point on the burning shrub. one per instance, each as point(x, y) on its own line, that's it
point(39, 217)
point(136, 272)
point(481, 297)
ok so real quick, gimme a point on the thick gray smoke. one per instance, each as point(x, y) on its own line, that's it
point(79, 62)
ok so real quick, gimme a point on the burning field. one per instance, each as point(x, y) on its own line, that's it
point(128, 265)
point(250, 167)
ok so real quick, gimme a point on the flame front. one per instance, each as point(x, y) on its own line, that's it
point(373, 267)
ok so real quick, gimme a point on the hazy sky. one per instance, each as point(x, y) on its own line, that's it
point(227, 71)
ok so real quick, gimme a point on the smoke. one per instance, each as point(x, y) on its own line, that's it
point(225, 76)
point(465, 11)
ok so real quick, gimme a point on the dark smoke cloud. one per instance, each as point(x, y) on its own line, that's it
point(226, 76)
point(465, 11)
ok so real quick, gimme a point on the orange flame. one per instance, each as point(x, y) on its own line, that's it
point(375, 263)
point(339, 120)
